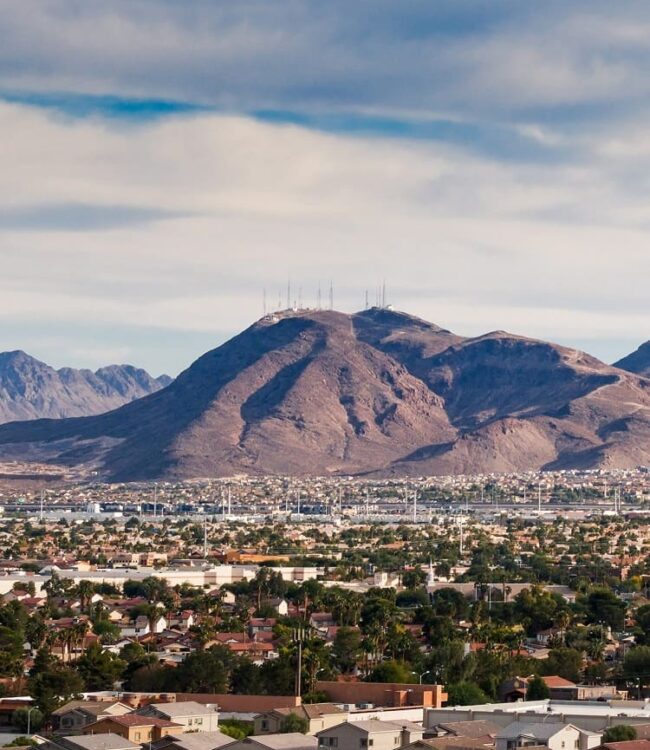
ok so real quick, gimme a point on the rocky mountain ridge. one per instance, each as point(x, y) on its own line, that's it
point(378, 392)
point(31, 389)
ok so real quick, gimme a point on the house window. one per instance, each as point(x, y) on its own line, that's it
point(137, 735)
point(562, 743)
point(66, 722)
point(363, 742)
point(576, 744)
point(199, 721)
point(265, 724)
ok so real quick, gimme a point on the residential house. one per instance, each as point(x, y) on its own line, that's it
point(473, 729)
point(193, 741)
point(192, 716)
point(627, 745)
point(451, 742)
point(261, 625)
point(90, 742)
point(370, 733)
point(75, 715)
point(516, 688)
point(133, 727)
point(321, 621)
point(553, 735)
point(318, 715)
point(287, 741)
point(281, 606)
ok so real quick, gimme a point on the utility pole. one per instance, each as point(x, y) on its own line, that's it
point(205, 537)
point(297, 636)
point(415, 506)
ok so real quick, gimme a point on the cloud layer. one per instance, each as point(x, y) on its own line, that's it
point(165, 162)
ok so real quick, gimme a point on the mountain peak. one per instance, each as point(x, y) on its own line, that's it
point(638, 362)
point(31, 389)
point(318, 392)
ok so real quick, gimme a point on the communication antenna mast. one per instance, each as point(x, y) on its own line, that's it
point(319, 303)
point(366, 302)
point(383, 293)
point(300, 298)
point(264, 300)
point(288, 293)
point(331, 296)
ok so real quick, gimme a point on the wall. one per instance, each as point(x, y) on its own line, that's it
point(383, 693)
point(242, 703)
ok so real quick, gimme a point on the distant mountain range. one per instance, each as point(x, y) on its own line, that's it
point(638, 361)
point(375, 393)
point(30, 389)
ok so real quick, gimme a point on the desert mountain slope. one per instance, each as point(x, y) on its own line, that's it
point(380, 392)
point(30, 389)
point(638, 361)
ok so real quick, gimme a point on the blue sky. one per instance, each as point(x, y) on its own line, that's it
point(164, 162)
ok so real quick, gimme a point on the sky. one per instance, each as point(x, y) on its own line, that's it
point(163, 163)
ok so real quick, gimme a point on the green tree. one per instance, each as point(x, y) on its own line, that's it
point(53, 687)
point(619, 733)
point(278, 676)
point(11, 652)
point(236, 728)
point(20, 719)
point(636, 666)
point(294, 723)
point(246, 678)
point(565, 662)
point(346, 649)
point(604, 606)
point(100, 669)
point(465, 694)
point(537, 689)
point(392, 671)
point(205, 671)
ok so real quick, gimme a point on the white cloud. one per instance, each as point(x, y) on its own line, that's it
point(232, 205)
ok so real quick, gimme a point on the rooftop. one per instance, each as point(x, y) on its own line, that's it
point(108, 741)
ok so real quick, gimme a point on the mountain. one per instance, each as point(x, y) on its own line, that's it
point(378, 392)
point(638, 361)
point(30, 389)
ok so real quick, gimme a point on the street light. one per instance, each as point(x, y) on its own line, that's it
point(29, 720)
point(422, 675)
